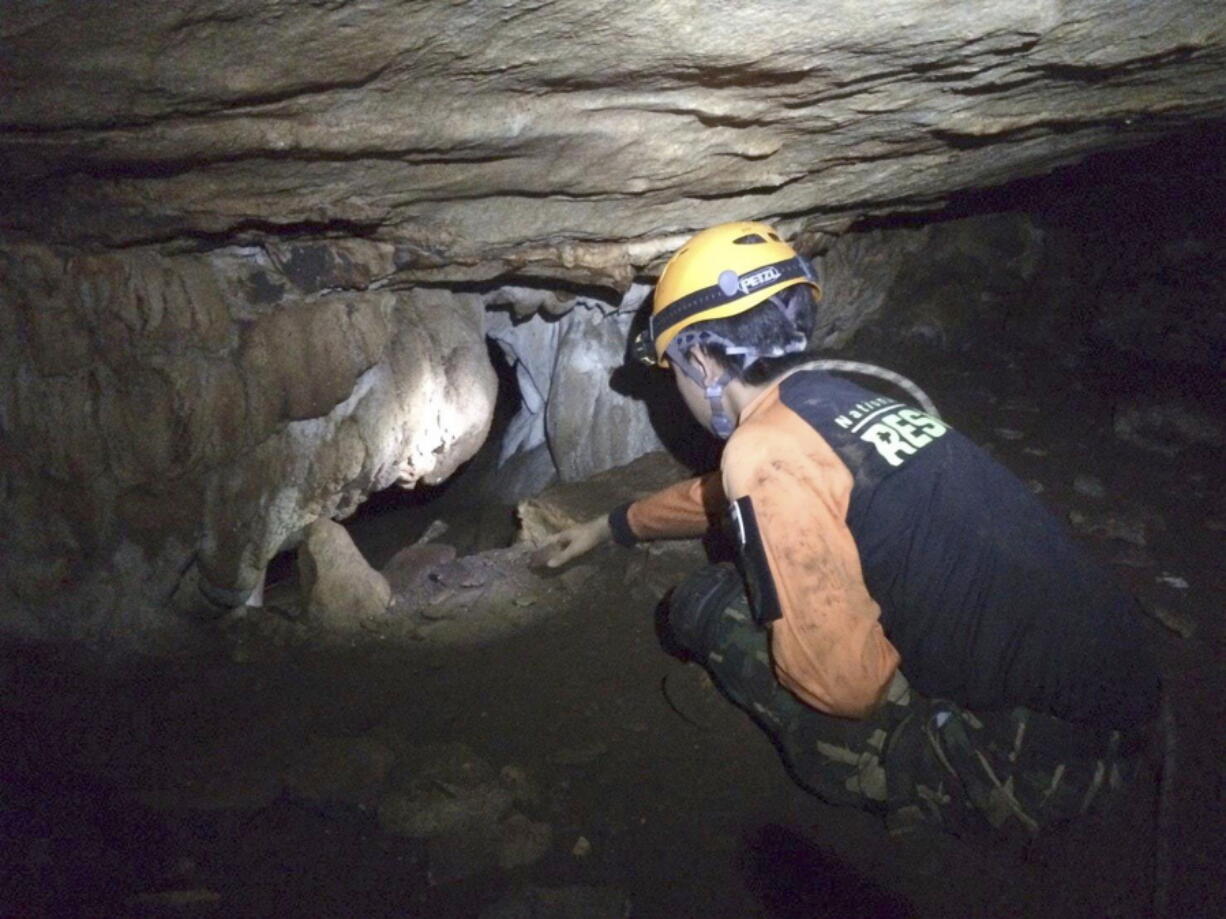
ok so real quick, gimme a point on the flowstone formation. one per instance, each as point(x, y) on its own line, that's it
point(175, 433)
point(251, 252)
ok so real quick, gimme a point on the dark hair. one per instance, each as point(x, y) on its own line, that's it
point(763, 327)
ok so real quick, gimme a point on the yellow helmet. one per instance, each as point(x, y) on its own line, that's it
point(722, 271)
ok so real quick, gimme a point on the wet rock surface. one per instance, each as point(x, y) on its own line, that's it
point(1168, 426)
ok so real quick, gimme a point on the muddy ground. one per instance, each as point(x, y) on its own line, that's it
point(170, 791)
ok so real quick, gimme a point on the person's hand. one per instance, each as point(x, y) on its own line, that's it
point(572, 542)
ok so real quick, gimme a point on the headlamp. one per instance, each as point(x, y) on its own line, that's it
point(643, 348)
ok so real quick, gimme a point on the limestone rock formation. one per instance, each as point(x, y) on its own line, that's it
point(172, 422)
point(340, 591)
point(591, 426)
point(566, 367)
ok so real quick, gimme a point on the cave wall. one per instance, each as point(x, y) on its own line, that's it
point(174, 421)
point(250, 250)
point(567, 368)
point(1117, 260)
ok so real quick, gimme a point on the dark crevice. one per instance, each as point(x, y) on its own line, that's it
point(533, 195)
point(225, 107)
point(846, 89)
point(741, 155)
point(960, 140)
point(706, 119)
point(744, 77)
point(570, 289)
point(1088, 73)
point(1004, 86)
point(248, 232)
point(169, 168)
point(1188, 154)
point(956, 76)
point(1012, 50)
point(883, 76)
point(754, 191)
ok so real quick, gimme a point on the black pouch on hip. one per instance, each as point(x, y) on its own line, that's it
point(751, 559)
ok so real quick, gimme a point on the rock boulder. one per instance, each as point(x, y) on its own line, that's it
point(565, 505)
point(340, 591)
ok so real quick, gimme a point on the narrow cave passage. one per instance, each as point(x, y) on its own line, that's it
point(282, 776)
point(395, 517)
point(475, 517)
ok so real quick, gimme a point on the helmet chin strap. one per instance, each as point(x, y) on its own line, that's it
point(721, 425)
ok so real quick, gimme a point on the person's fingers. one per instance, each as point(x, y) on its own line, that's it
point(544, 554)
point(578, 541)
point(568, 551)
point(568, 545)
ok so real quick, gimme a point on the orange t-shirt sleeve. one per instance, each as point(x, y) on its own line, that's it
point(828, 646)
point(686, 509)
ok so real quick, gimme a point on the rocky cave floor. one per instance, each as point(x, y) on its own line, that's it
point(573, 767)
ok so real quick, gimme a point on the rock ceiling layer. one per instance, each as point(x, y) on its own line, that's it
point(563, 137)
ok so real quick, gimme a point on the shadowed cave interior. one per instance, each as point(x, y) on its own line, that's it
point(484, 740)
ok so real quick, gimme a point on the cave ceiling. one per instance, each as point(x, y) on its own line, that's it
point(562, 138)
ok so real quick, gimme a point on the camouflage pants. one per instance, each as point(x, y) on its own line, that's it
point(915, 761)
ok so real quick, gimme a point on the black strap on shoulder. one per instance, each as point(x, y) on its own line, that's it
point(760, 583)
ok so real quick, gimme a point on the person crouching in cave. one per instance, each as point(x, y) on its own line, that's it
point(920, 636)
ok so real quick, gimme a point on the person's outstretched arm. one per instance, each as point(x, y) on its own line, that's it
point(686, 509)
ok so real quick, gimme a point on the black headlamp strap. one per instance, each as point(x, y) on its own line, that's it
point(730, 287)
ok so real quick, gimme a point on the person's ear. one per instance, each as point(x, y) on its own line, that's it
point(706, 364)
